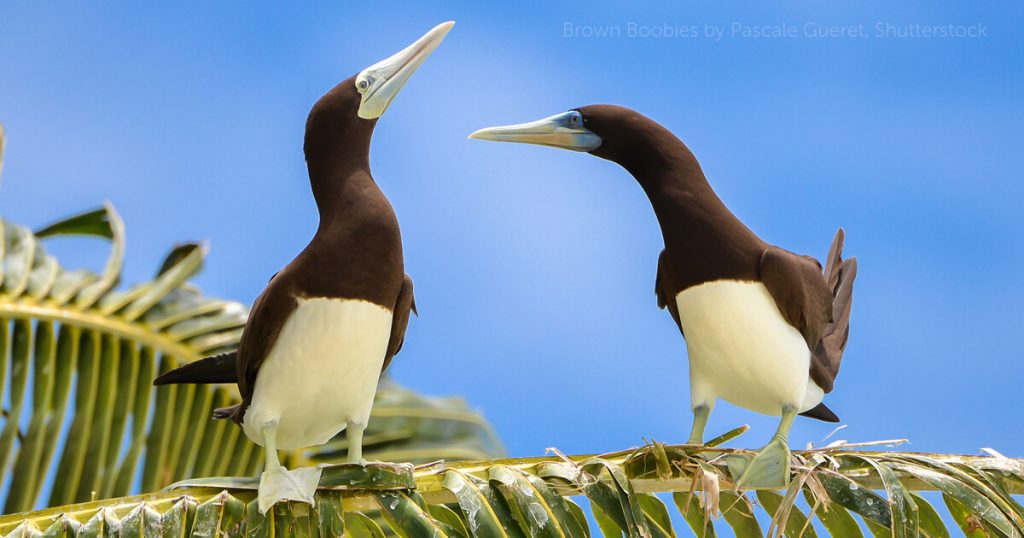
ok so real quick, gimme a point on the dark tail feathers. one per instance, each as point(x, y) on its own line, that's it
point(839, 274)
point(821, 412)
point(215, 369)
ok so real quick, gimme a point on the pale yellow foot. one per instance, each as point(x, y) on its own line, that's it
point(769, 468)
point(280, 484)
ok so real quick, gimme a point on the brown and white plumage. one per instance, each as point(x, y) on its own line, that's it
point(764, 328)
point(329, 323)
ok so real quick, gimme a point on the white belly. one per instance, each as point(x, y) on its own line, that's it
point(321, 373)
point(742, 350)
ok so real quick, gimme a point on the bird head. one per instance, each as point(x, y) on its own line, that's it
point(350, 110)
point(378, 84)
point(609, 131)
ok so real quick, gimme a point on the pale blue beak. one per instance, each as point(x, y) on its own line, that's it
point(564, 131)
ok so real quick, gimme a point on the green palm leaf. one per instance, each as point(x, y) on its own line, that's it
point(528, 497)
point(72, 332)
point(82, 420)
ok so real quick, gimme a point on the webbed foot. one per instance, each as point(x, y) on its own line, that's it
point(280, 484)
point(768, 468)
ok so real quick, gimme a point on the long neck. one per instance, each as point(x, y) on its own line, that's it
point(357, 223)
point(346, 197)
point(339, 175)
point(356, 252)
point(692, 217)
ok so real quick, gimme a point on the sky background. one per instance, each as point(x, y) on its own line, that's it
point(534, 268)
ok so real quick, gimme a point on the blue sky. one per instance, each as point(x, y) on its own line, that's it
point(534, 268)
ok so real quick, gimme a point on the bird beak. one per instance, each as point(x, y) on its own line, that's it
point(387, 77)
point(556, 131)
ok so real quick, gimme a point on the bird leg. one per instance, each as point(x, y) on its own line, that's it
point(700, 420)
point(280, 484)
point(355, 442)
point(769, 467)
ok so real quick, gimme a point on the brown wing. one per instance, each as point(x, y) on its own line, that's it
point(266, 320)
point(666, 296)
point(799, 290)
point(811, 302)
point(405, 304)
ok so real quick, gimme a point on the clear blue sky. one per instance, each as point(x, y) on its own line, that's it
point(534, 268)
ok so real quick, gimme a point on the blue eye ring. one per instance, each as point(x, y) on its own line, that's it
point(576, 119)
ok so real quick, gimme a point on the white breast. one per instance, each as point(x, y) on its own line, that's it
point(321, 373)
point(742, 350)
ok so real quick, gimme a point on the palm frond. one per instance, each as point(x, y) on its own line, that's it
point(837, 490)
point(73, 333)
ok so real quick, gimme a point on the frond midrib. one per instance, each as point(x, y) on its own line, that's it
point(134, 331)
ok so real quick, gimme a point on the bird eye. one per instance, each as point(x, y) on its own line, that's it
point(363, 84)
point(575, 119)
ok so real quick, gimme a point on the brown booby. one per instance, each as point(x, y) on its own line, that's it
point(765, 328)
point(329, 323)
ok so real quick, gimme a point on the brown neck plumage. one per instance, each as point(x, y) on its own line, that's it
point(357, 249)
point(700, 232)
point(338, 161)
